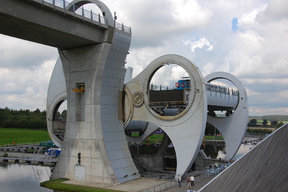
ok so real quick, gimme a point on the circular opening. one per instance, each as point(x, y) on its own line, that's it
point(167, 76)
point(136, 128)
point(60, 112)
point(59, 120)
point(213, 143)
point(169, 90)
point(88, 8)
point(222, 98)
point(91, 11)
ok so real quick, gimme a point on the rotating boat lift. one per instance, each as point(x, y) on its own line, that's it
point(232, 126)
point(100, 105)
point(185, 128)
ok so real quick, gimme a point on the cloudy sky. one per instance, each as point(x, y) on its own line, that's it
point(248, 39)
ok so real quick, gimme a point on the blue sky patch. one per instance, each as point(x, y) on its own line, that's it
point(235, 24)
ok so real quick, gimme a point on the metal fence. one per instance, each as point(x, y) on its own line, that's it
point(80, 12)
point(161, 187)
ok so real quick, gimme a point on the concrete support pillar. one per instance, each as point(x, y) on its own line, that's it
point(95, 145)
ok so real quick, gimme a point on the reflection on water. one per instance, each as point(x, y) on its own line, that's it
point(219, 152)
point(215, 152)
point(24, 178)
point(244, 148)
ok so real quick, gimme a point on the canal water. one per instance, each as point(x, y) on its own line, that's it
point(24, 178)
point(244, 148)
point(218, 152)
point(27, 178)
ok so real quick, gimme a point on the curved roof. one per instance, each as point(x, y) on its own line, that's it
point(263, 169)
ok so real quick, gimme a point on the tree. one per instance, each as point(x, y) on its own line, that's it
point(64, 115)
point(265, 122)
point(210, 129)
point(253, 122)
point(280, 124)
point(274, 123)
point(23, 123)
point(22, 119)
point(9, 123)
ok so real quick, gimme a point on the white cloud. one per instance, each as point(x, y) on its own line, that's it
point(168, 75)
point(25, 88)
point(247, 19)
point(16, 53)
point(276, 10)
point(190, 13)
point(203, 42)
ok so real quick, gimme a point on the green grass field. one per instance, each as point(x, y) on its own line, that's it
point(212, 137)
point(10, 136)
point(59, 185)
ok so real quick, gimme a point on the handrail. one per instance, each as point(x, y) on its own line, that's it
point(83, 13)
point(220, 89)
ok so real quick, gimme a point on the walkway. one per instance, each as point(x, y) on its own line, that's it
point(183, 188)
point(146, 184)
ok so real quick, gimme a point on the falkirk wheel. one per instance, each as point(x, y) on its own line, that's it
point(100, 105)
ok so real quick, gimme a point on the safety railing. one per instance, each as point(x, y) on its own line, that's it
point(122, 27)
point(160, 187)
point(220, 89)
point(80, 12)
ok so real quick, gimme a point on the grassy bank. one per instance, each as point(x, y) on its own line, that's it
point(212, 137)
point(14, 136)
point(59, 185)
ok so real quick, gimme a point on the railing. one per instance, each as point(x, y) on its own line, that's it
point(160, 187)
point(90, 16)
point(122, 27)
point(219, 89)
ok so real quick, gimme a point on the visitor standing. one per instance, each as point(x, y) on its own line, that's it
point(189, 183)
point(179, 180)
point(192, 181)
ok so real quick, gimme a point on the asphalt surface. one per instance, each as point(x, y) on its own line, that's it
point(144, 183)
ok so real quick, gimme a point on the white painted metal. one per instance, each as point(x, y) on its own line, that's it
point(184, 129)
point(218, 98)
point(104, 9)
point(55, 95)
point(99, 133)
point(233, 127)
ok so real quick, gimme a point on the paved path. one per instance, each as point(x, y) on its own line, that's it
point(145, 183)
point(131, 186)
point(183, 188)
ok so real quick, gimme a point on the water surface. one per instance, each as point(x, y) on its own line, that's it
point(24, 178)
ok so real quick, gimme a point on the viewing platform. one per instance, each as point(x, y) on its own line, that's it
point(26, 154)
point(58, 23)
point(32, 161)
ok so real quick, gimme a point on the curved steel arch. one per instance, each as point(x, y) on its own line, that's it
point(187, 129)
point(184, 129)
point(56, 93)
point(233, 127)
point(104, 9)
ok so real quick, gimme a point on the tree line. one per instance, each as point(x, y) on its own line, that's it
point(270, 118)
point(36, 119)
point(275, 117)
point(10, 118)
point(264, 123)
